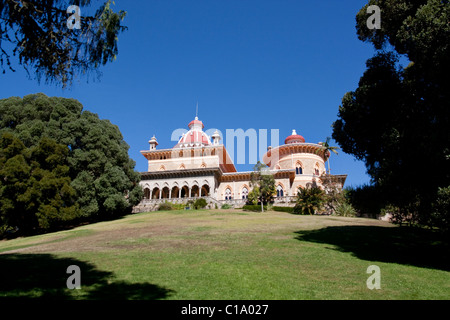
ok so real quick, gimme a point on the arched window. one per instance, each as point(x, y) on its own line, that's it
point(228, 194)
point(204, 191)
point(195, 191)
point(146, 193)
point(155, 193)
point(244, 193)
point(298, 168)
point(280, 192)
point(316, 169)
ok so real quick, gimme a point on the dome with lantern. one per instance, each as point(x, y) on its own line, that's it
point(294, 138)
point(195, 137)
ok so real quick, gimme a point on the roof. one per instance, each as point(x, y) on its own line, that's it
point(195, 137)
point(294, 138)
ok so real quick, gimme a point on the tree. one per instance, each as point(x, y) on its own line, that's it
point(38, 33)
point(253, 196)
point(100, 170)
point(310, 200)
point(261, 179)
point(397, 120)
point(35, 190)
point(441, 210)
point(326, 148)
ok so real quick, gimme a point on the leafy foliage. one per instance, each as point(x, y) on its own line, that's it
point(35, 190)
point(325, 149)
point(89, 153)
point(165, 206)
point(253, 207)
point(397, 120)
point(441, 210)
point(366, 199)
point(283, 209)
point(200, 203)
point(253, 196)
point(310, 200)
point(38, 34)
point(345, 209)
point(263, 184)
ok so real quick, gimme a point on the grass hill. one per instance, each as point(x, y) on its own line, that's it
point(228, 254)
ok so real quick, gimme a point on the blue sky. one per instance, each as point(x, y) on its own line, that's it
point(261, 64)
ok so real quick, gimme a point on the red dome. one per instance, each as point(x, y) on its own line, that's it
point(195, 121)
point(294, 138)
point(195, 136)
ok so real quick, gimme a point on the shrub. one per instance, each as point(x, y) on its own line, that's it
point(345, 209)
point(200, 203)
point(165, 206)
point(283, 209)
point(366, 199)
point(253, 207)
point(178, 206)
point(309, 201)
point(226, 206)
point(253, 196)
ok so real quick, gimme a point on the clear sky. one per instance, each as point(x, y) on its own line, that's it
point(261, 64)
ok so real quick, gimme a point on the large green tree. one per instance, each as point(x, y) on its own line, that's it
point(397, 120)
point(100, 170)
point(40, 34)
point(35, 190)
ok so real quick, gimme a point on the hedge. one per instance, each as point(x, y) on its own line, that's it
point(254, 207)
point(284, 209)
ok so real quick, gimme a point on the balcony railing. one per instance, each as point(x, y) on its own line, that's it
point(276, 200)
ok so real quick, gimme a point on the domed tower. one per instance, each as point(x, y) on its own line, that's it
point(194, 150)
point(307, 160)
point(294, 138)
point(195, 137)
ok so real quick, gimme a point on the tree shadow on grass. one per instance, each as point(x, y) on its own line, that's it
point(402, 245)
point(44, 276)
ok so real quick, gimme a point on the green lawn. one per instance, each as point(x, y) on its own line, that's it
point(228, 254)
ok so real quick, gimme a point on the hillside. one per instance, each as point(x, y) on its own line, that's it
point(227, 254)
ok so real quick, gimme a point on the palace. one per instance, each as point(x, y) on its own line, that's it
point(200, 166)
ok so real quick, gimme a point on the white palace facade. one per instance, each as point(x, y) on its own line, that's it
point(200, 166)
